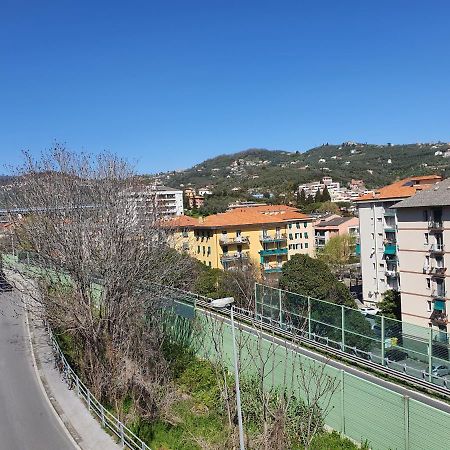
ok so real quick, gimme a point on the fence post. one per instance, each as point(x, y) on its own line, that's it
point(342, 402)
point(78, 386)
point(406, 420)
point(343, 327)
point(382, 341)
point(430, 353)
point(89, 399)
point(309, 318)
point(279, 300)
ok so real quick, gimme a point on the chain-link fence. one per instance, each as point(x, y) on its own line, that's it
point(418, 351)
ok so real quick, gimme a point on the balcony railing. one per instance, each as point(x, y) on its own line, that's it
point(437, 271)
point(272, 268)
point(435, 224)
point(226, 240)
point(390, 249)
point(274, 251)
point(277, 237)
point(439, 317)
point(438, 293)
point(437, 248)
point(233, 256)
point(391, 273)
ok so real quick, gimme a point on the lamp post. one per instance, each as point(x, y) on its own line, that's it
point(223, 303)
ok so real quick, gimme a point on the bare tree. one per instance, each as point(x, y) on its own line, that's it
point(94, 249)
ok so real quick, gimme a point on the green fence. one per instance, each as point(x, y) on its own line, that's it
point(360, 409)
point(402, 346)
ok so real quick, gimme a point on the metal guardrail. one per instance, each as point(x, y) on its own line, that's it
point(108, 421)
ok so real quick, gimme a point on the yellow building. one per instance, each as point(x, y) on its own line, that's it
point(268, 236)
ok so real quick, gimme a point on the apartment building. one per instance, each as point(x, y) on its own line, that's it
point(424, 252)
point(267, 236)
point(334, 225)
point(378, 234)
point(157, 200)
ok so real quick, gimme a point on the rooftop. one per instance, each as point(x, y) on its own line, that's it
point(401, 189)
point(333, 223)
point(258, 215)
point(438, 195)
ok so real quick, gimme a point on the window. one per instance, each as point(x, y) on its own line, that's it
point(425, 215)
point(209, 264)
point(204, 250)
point(426, 236)
point(297, 235)
point(305, 234)
point(297, 224)
point(290, 226)
point(428, 283)
point(290, 236)
point(301, 246)
point(209, 250)
point(429, 305)
point(198, 249)
point(306, 245)
point(305, 224)
point(290, 247)
point(372, 235)
point(379, 219)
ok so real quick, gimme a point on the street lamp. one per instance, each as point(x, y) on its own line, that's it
point(223, 303)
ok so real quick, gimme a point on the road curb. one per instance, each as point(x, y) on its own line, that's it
point(63, 420)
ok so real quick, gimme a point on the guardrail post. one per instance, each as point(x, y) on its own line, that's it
point(89, 399)
point(122, 436)
point(343, 328)
point(309, 318)
point(78, 386)
point(382, 341)
point(102, 417)
point(430, 354)
point(342, 402)
point(406, 420)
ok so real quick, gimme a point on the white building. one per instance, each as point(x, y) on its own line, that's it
point(378, 234)
point(423, 253)
point(156, 200)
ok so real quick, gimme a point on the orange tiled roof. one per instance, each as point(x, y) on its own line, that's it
point(181, 222)
point(268, 214)
point(401, 189)
point(253, 216)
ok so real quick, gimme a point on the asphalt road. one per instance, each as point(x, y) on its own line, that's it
point(27, 421)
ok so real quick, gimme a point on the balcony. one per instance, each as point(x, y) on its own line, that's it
point(225, 240)
point(391, 272)
point(438, 293)
point(389, 213)
point(277, 237)
point(274, 251)
point(233, 256)
point(437, 248)
point(439, 317)
point(435, 225)
point(275, 268)
point(390, 249)
point(437, 272)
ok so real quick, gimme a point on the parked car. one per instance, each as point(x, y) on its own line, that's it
point(394, 354)
point(369, 310)
point(440, 371)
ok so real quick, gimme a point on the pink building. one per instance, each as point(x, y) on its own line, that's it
point(334, 225)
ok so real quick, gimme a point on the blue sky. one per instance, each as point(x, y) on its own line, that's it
point(170, 83)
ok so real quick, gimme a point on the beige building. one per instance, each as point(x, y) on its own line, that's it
point(268, 236)
point(423, 252)
point(378, 234)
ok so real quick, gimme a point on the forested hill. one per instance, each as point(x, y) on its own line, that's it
point(277, 170)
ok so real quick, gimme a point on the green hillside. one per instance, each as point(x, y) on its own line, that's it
point(277, 171)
